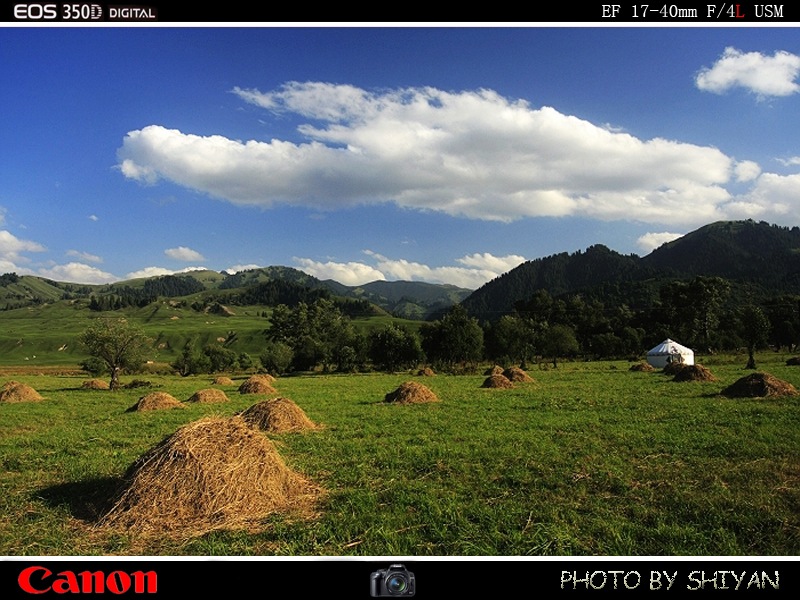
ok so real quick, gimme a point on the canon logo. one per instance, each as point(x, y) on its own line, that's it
point(41, 580)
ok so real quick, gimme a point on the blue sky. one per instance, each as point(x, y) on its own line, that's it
point(441, 154)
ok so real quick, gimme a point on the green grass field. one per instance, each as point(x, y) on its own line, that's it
point(590, 459)
point(47, 335)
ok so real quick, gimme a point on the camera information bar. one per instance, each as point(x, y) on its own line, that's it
point(568, 12)
point(416, 578)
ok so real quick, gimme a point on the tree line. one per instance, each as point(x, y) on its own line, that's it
point(320, 335)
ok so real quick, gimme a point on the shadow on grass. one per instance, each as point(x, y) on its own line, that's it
point(86, 500)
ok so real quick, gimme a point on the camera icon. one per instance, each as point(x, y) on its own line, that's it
point(395, 580)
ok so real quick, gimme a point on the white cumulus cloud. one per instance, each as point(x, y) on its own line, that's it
point(759, 73)
point(747, 170)
point(84, 256)
point(473, 154)
point(184, 254)
point(774, 198)
point(349, 273)
point(496, 264)
point(792, 161)
point(11, 247)
point(158, 271)
point(76, 272)
point(477, 270)
point(650, 241)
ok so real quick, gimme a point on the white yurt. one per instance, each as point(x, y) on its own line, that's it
point(669, 351)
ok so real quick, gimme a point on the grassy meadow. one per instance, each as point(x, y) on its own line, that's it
point(589, 459)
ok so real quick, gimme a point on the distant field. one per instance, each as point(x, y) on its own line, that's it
point(590, 459)
point(47, 335)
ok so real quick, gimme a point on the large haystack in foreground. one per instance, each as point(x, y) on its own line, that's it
point(694, 373)
point(156, 401)
point(499, 381)
point(14, 391)
point(208, 396)
point(516, 374)
point(258, 384)
point(411, 392)
point(759, 385)
point(215, 473)
point(277, 415)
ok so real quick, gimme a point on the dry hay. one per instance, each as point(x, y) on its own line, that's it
point(95, 384)
point(258, 384)
point(673, 368)
point(222, 381)
point(516, 374)
point(411, 392)
point(215, 473)
point(759, 385)
point(793, 362)
point(277, 415)
point(426, 372)
point(497, 382)
point(14, 391)
point(495, 370)
point(156, 401)
point(642, 366)
point(208, 396)
point(694, 373)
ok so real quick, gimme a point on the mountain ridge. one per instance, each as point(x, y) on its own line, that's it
point(764, 258)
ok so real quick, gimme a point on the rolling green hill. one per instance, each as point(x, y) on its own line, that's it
point(41, 319)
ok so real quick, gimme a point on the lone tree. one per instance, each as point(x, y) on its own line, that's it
point(755, 331)
point(117, 343)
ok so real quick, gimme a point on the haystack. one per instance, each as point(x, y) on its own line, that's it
point(497, 382)
point(426, 372)
point(694, 373)
point(208, 396)
point(95, 384)
point(411, 392)
point(14, 391)
point(642, 366)
point(516, 374)
point(495, 370)
point(673, 368)
point(759, 385)
point(258, 384)
point(277, 415)
point(223, 381)
point(156, 401)
point(215, 473)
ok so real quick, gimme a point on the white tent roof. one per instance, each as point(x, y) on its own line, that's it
point(668, 347)
point(667, 351)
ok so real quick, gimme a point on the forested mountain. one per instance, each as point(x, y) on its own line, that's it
point(757, 258)
point(558, 274)
point(765, 255)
